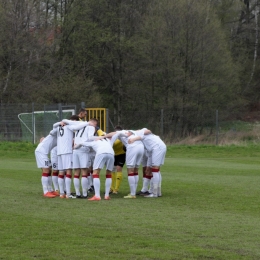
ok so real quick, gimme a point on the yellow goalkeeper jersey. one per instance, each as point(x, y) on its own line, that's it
point(118, 147)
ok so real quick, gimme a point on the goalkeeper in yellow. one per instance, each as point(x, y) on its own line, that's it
point(117, 174)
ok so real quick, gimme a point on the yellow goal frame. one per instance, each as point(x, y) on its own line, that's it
point(101, 114)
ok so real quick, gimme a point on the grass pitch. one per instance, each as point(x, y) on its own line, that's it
point(209, 210)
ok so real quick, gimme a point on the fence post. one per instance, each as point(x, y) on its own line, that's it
point(217, 128)
point(60, 111)
point(107, 120)
point(161, 127)
point(83, 105)
point(33, 125)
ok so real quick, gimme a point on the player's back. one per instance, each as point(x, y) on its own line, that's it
point(100, 146)
point(64, 140)
point(47, 144)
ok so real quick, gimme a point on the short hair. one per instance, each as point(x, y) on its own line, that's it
point(118, 127)
point(93, 119)
point(82, 110)
point(74, 117)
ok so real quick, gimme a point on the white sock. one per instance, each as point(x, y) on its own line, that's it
point(50, 184)
point(151, 185)
point(160, 185)
point(64, 182)
point(146, 183)
point(45, 182)
point(55, 182)
point(84, 185)
point(61, 184)
point(96, 183)
point(156, 180)
point(76, 185)
point(131, 182)
point(68, 184)
point(108, 184)
point(136, 180)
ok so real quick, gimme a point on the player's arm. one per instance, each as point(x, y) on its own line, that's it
point(146, 131)
point(90, 133)
point(109, 135)
point(78, 126)
point(130, 141)
point(71, 122)
point(88, 144)
point(119, 135)
point(53, 132)
point(56, 125)
point(114, 137)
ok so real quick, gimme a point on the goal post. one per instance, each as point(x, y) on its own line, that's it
point(101, 114)
point(36, 124)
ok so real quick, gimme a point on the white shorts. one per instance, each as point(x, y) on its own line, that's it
point(104, 159)
point(157, 156)
point(65, 161)
point(134, 156)
point(145, 158)
point(92, 158)
point(42, 160)
point(54, 162)
point(81, 160)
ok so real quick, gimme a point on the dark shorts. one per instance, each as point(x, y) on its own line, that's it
point(119, 160)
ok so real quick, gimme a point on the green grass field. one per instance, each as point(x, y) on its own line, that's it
point(209, 210)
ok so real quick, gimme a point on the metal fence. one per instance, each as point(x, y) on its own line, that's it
point(29, 122)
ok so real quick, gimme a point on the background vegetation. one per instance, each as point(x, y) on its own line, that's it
point(189, 57)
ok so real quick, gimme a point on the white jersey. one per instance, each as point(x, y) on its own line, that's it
point(123, 137)
point(82, 135)
point(49, 142)
point(134, 151)
point(150, 141)
point(100, 146)
point(65, 135)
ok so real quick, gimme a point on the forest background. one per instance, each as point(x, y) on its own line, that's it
point(190, 58)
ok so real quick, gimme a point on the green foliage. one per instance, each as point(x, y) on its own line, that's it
point(17, 150)
point(191, 57)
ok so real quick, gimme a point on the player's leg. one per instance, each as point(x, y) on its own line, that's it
point(119, 178)
point(119, 171)
point(139, 151)
point(113, 177)
point(131, 182)
point(85, 164)
point(158, 156)
point(76, 181)
point(61, 183)
point(66, 160)
point(76, 167)
point(43, 162)
point(109, 167)
point(84, 182)
point(68, 184)
point(55, 171)
point(136, 176)
point(45, 183)
point(90, 172)
point(54, 177)
point(98, 164)
point(96, 184)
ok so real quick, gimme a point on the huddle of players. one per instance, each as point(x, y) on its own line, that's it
point(74, 145)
